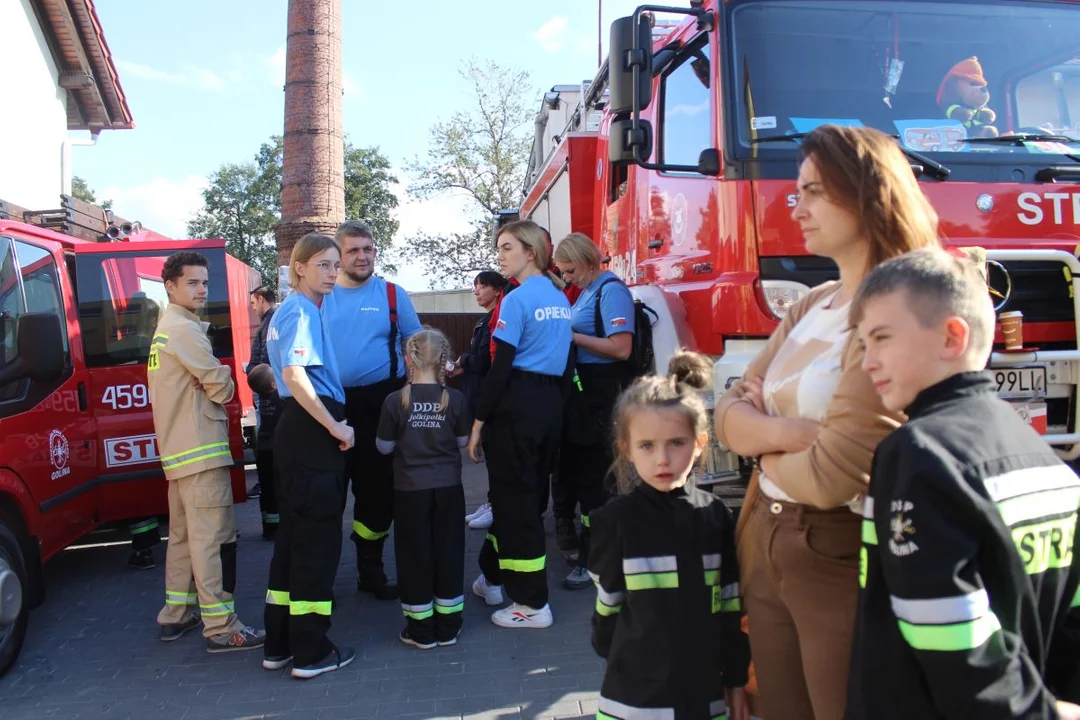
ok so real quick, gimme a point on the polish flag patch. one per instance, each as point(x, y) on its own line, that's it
point(299, 352)
point(618, 322)
point(500, 325)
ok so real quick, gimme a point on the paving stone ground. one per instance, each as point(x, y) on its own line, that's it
point(92, 650)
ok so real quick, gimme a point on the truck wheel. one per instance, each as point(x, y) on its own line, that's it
point(14, 597)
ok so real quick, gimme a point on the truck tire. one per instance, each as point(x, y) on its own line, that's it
point(14, 598)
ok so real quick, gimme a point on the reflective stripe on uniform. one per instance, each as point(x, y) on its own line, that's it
point(607, 603)
point(1029, 480)
point(729, 598)
point(961, 622)
point(718, 710)
point(271, 518)
point(585, 521)
point(711, 563)
point(309, 607)
point(868, 508)
point(651, 573)
point(367, 533)
point(448, 606)
point(1076, 599)
point(1027, 508)
point(869, 532)
point(179, 598)
point(494, 542)
point(277, 597)
point(522, 566)
point(611, 710)
point(217, 609)
point(418, 612)
point(204, 452)
point(144, 526)
point(160, 340)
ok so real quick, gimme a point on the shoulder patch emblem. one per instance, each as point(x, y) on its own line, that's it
point(902, 540)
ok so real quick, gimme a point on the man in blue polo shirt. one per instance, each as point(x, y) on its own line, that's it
point(369, 319)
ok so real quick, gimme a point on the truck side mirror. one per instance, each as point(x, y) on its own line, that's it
point(708, 162)
point(622, 140)
point(631, 47)
point(41, 349)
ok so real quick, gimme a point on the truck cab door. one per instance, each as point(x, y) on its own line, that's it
point(121, 298)
point(46, 431)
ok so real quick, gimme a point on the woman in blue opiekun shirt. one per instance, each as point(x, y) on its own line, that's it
point(520, 414)
point(603, 325)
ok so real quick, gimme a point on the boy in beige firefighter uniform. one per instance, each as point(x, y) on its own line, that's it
point(188, 387)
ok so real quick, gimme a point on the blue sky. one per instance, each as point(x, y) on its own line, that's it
point(204, 83)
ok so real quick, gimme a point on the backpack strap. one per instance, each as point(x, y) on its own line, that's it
point(600, 332)
point(391, 301)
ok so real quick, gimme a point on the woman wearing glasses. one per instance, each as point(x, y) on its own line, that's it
point(309, 447)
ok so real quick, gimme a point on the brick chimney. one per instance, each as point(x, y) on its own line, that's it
point(313, 165)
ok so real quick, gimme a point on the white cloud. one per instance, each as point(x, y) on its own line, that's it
point(276, 65)
point(552, 35)
point(188, 75)
point(162, 205)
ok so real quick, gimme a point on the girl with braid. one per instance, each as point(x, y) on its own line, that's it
point(425, 425)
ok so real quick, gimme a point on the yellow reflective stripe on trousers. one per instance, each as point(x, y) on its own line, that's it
point(585, 522)
point(523, 566)
point(606, 610)
point(449, 606)
point(205, 452)
point(1076, 599)
point(217, 609)
point(608, 708)
point(366, 533)
point(309, 607)
point(144, 526)
point(277, 597)
point(178, 598)
point(494, 542)
point(417, 612)
point(955, 637)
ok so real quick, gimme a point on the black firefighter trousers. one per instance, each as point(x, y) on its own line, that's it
point(307, 547)
point(372, 476)
point(521, 440)
point(429, 546)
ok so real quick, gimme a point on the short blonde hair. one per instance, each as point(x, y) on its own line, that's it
point(579, 249)
point(306, 248)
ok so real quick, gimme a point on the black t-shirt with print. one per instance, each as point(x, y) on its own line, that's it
point(426, 454)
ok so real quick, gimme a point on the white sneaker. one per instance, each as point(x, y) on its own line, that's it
point(522, 616)
point(483, 520)
point(492, 594)
point(476, 513)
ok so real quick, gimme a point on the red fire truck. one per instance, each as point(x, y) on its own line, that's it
point(77, 445)
point(679, 159)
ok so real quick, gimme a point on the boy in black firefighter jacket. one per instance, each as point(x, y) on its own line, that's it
point(969, 604)
point(663, 559)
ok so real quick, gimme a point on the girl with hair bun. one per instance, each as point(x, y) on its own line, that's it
point(668, 611)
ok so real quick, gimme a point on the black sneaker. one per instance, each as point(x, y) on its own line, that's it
point(246, 639)
point(408, 640)
point(447, 643)
point(335, 660)
point(177, 630)
point(255, 491)
point(380, 588)
point(142, 560)
point(566, 536)
point(578, 579)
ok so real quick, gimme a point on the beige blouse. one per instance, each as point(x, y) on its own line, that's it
point(811, 368)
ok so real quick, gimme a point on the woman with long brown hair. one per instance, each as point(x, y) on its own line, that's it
point(809, 416)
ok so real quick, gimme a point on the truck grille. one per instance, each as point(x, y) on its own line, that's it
point(1040, 290)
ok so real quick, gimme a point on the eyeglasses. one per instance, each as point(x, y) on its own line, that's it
point(326, 266)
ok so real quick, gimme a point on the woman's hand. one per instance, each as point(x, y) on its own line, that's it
point(797, 434)
point(344, 434)
point(476, 454)
point(753, 391)
point(738, 708)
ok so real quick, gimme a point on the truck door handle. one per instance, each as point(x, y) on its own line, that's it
point(656, 244)
point(82, 396)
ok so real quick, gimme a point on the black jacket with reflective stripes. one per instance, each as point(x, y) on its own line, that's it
point(969, 566)
point(668, 610)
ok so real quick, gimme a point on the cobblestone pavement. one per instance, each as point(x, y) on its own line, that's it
point(92, 650)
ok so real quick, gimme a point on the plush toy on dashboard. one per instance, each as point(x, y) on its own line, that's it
point(963, 96)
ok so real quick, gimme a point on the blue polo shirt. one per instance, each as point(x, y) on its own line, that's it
point(616, 313)
point(535, 319)
point(359, 319)
point(298, 336)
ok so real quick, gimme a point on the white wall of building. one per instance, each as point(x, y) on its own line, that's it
point(33, 122)
point(445, 301)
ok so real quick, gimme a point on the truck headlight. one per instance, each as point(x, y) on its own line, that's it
point(780, 295)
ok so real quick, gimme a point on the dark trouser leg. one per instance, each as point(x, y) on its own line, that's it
point(591, 474)
point(522, 438)
point(414, 553)
point(563, 496)
point(268, 500)
point(449, 553)
point(313, 491)
point(145, 534)
point(372, 477)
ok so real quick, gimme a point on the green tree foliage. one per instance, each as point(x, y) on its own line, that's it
point(80, 190)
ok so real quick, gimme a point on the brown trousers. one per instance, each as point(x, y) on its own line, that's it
point(200, 562)
point(800, 587)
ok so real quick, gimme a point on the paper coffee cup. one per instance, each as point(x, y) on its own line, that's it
point(1012, 327)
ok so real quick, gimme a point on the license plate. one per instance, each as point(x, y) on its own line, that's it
point(1021, 382)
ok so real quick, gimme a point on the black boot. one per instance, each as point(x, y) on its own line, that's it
point(369, 566)
point(566, 537)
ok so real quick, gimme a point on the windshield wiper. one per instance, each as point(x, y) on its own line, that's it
point(1021, 138)
point(923, 163)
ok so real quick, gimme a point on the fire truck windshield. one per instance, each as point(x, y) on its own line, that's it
point(910, 69)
